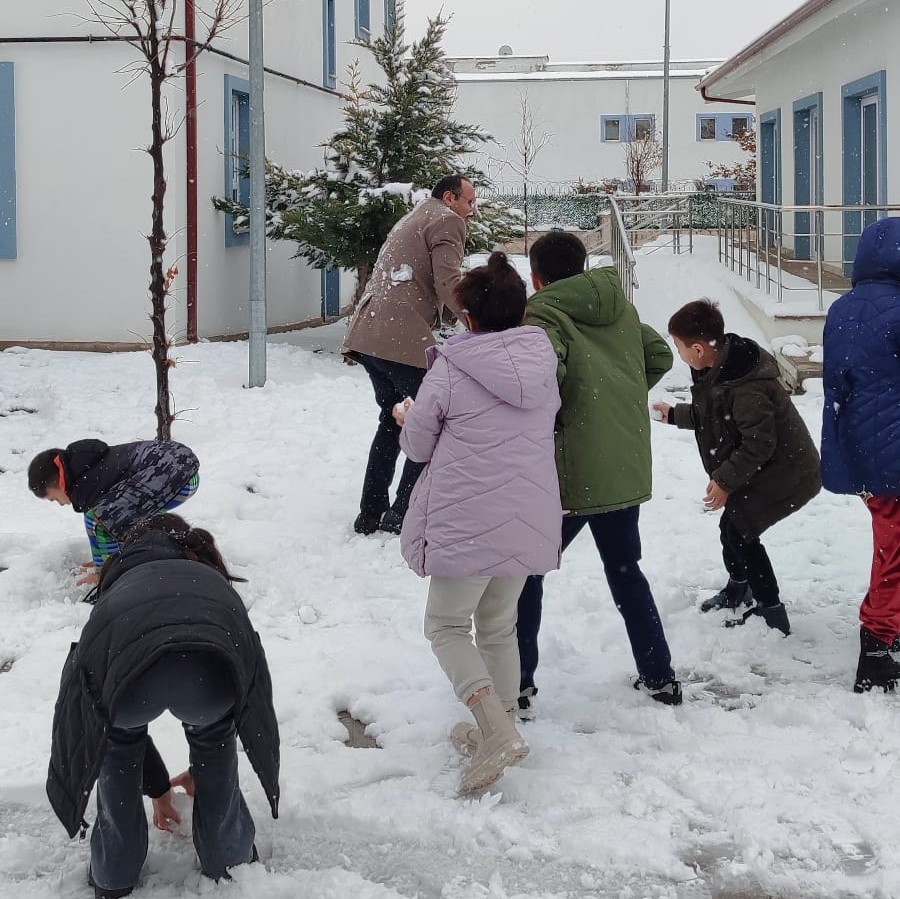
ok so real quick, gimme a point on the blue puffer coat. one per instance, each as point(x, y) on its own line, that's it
point(861, 416)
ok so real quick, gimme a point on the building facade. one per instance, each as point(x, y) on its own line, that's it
point(75, 187)
point(825, 83)
point(588, 112)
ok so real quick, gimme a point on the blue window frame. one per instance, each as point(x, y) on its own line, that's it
point(8, 248)
point(719, 126)
point(809, 182)
point(864, 129)
point(363, 19)
point(237, 154)
point(390, 14)
point(331, 292)
point(329, 45)
point(623, 128)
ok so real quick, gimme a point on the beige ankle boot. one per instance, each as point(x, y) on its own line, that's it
point(498, 747)
point(466, 736)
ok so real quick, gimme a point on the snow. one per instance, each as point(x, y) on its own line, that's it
point(773, 778)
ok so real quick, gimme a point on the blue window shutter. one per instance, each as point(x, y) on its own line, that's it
point(8, 246)
point(363, 20)
point(329, 45)
point(331, 292)
point(237, 153)
point(390, 14)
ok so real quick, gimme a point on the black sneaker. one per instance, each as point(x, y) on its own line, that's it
point(668, 692)
point(876, 667)
point(366, 523)
point(732, 596)
point(526, 711)
point(101, 893)
point(391, 522)
point(775, 616)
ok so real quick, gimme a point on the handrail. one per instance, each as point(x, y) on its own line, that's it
point(621, 252)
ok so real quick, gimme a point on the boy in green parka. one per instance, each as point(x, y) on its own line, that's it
point(607, 361)
point(761, 461)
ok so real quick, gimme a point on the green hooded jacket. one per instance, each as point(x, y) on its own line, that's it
point(607, 361)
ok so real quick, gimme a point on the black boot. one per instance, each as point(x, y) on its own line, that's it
point(775, 616)
point(732, 596)
point(391, 522)
point(876, 667)
point(366, 523)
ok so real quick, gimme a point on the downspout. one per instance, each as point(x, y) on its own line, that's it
point(710, 99)
point(190, 85)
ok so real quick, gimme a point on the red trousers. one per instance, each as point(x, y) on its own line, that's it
point(880, 610)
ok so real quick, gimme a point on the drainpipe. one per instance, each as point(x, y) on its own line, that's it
point(711, 99)
point(190, 92)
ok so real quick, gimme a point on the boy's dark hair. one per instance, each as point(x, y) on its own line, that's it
point(197, 544)
point(43, 473)
point(493, 294)
point(557, 255)
point(453, 183)
point(699, 320)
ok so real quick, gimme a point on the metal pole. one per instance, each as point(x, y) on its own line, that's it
point(665, 125)
point(257, 201)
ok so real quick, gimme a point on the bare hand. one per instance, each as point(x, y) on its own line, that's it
point(399, 411)
point(185, 780)
point(715, 497)
point(90, 578)
point(165, 817)
point(661, 410)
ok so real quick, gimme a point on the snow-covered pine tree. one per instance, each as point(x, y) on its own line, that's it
point(398, 139)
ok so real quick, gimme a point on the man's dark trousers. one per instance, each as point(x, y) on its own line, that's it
point(746, 560)
point(392, 382)
point(618, 540)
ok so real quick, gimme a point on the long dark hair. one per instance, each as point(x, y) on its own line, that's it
point(197, 544)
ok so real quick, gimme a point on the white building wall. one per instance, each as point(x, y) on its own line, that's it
point(83, 185)
point(570, 110)
point(843, 50)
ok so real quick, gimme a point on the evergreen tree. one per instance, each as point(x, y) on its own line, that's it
point(398, 139)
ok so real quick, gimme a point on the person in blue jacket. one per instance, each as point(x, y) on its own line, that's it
point(861, 432)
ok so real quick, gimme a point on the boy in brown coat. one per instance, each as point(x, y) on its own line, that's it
point(757, 451)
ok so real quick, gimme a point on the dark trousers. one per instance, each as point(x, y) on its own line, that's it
point(198, 690)
point(392, 383)
point(746, 560)
point(618, 541)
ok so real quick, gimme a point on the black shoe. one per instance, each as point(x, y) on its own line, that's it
point(526, 711)
point(366, 523)
point(775, 616)
point(101, 893)
point(391, 522)
point(668, 692)
point(732, 596)
point(876, 667)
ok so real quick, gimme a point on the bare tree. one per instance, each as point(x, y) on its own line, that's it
point(527, 145)
point(643, 156)
point(149, 27)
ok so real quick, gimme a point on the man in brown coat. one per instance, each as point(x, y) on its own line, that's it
point(414, 277)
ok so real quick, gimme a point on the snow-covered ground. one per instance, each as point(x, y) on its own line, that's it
point(773, 778)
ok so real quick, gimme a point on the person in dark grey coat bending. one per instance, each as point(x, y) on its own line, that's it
point(167, 632)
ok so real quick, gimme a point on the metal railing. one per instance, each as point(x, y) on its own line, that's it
point(655, 215)
point(761, 241)
point(620, 250)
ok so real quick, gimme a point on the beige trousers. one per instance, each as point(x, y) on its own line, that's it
point(493, 660)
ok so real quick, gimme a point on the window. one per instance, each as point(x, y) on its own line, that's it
point(329, 50)
point(722, 126)
point(237, 154)
point(7, 163)
point(643, 127)
point(618, 128)
point(331, 292)
point(390, 14)
point(363, 30)
point(707, 127)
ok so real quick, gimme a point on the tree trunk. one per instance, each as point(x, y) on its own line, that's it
point(363, 273)
point(157, 241)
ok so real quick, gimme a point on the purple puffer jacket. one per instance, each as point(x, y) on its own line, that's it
point(487, 503)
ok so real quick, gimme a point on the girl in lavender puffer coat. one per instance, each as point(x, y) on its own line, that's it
point(486, 511)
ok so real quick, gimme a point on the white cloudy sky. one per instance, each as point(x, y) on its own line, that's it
point(599, 29)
